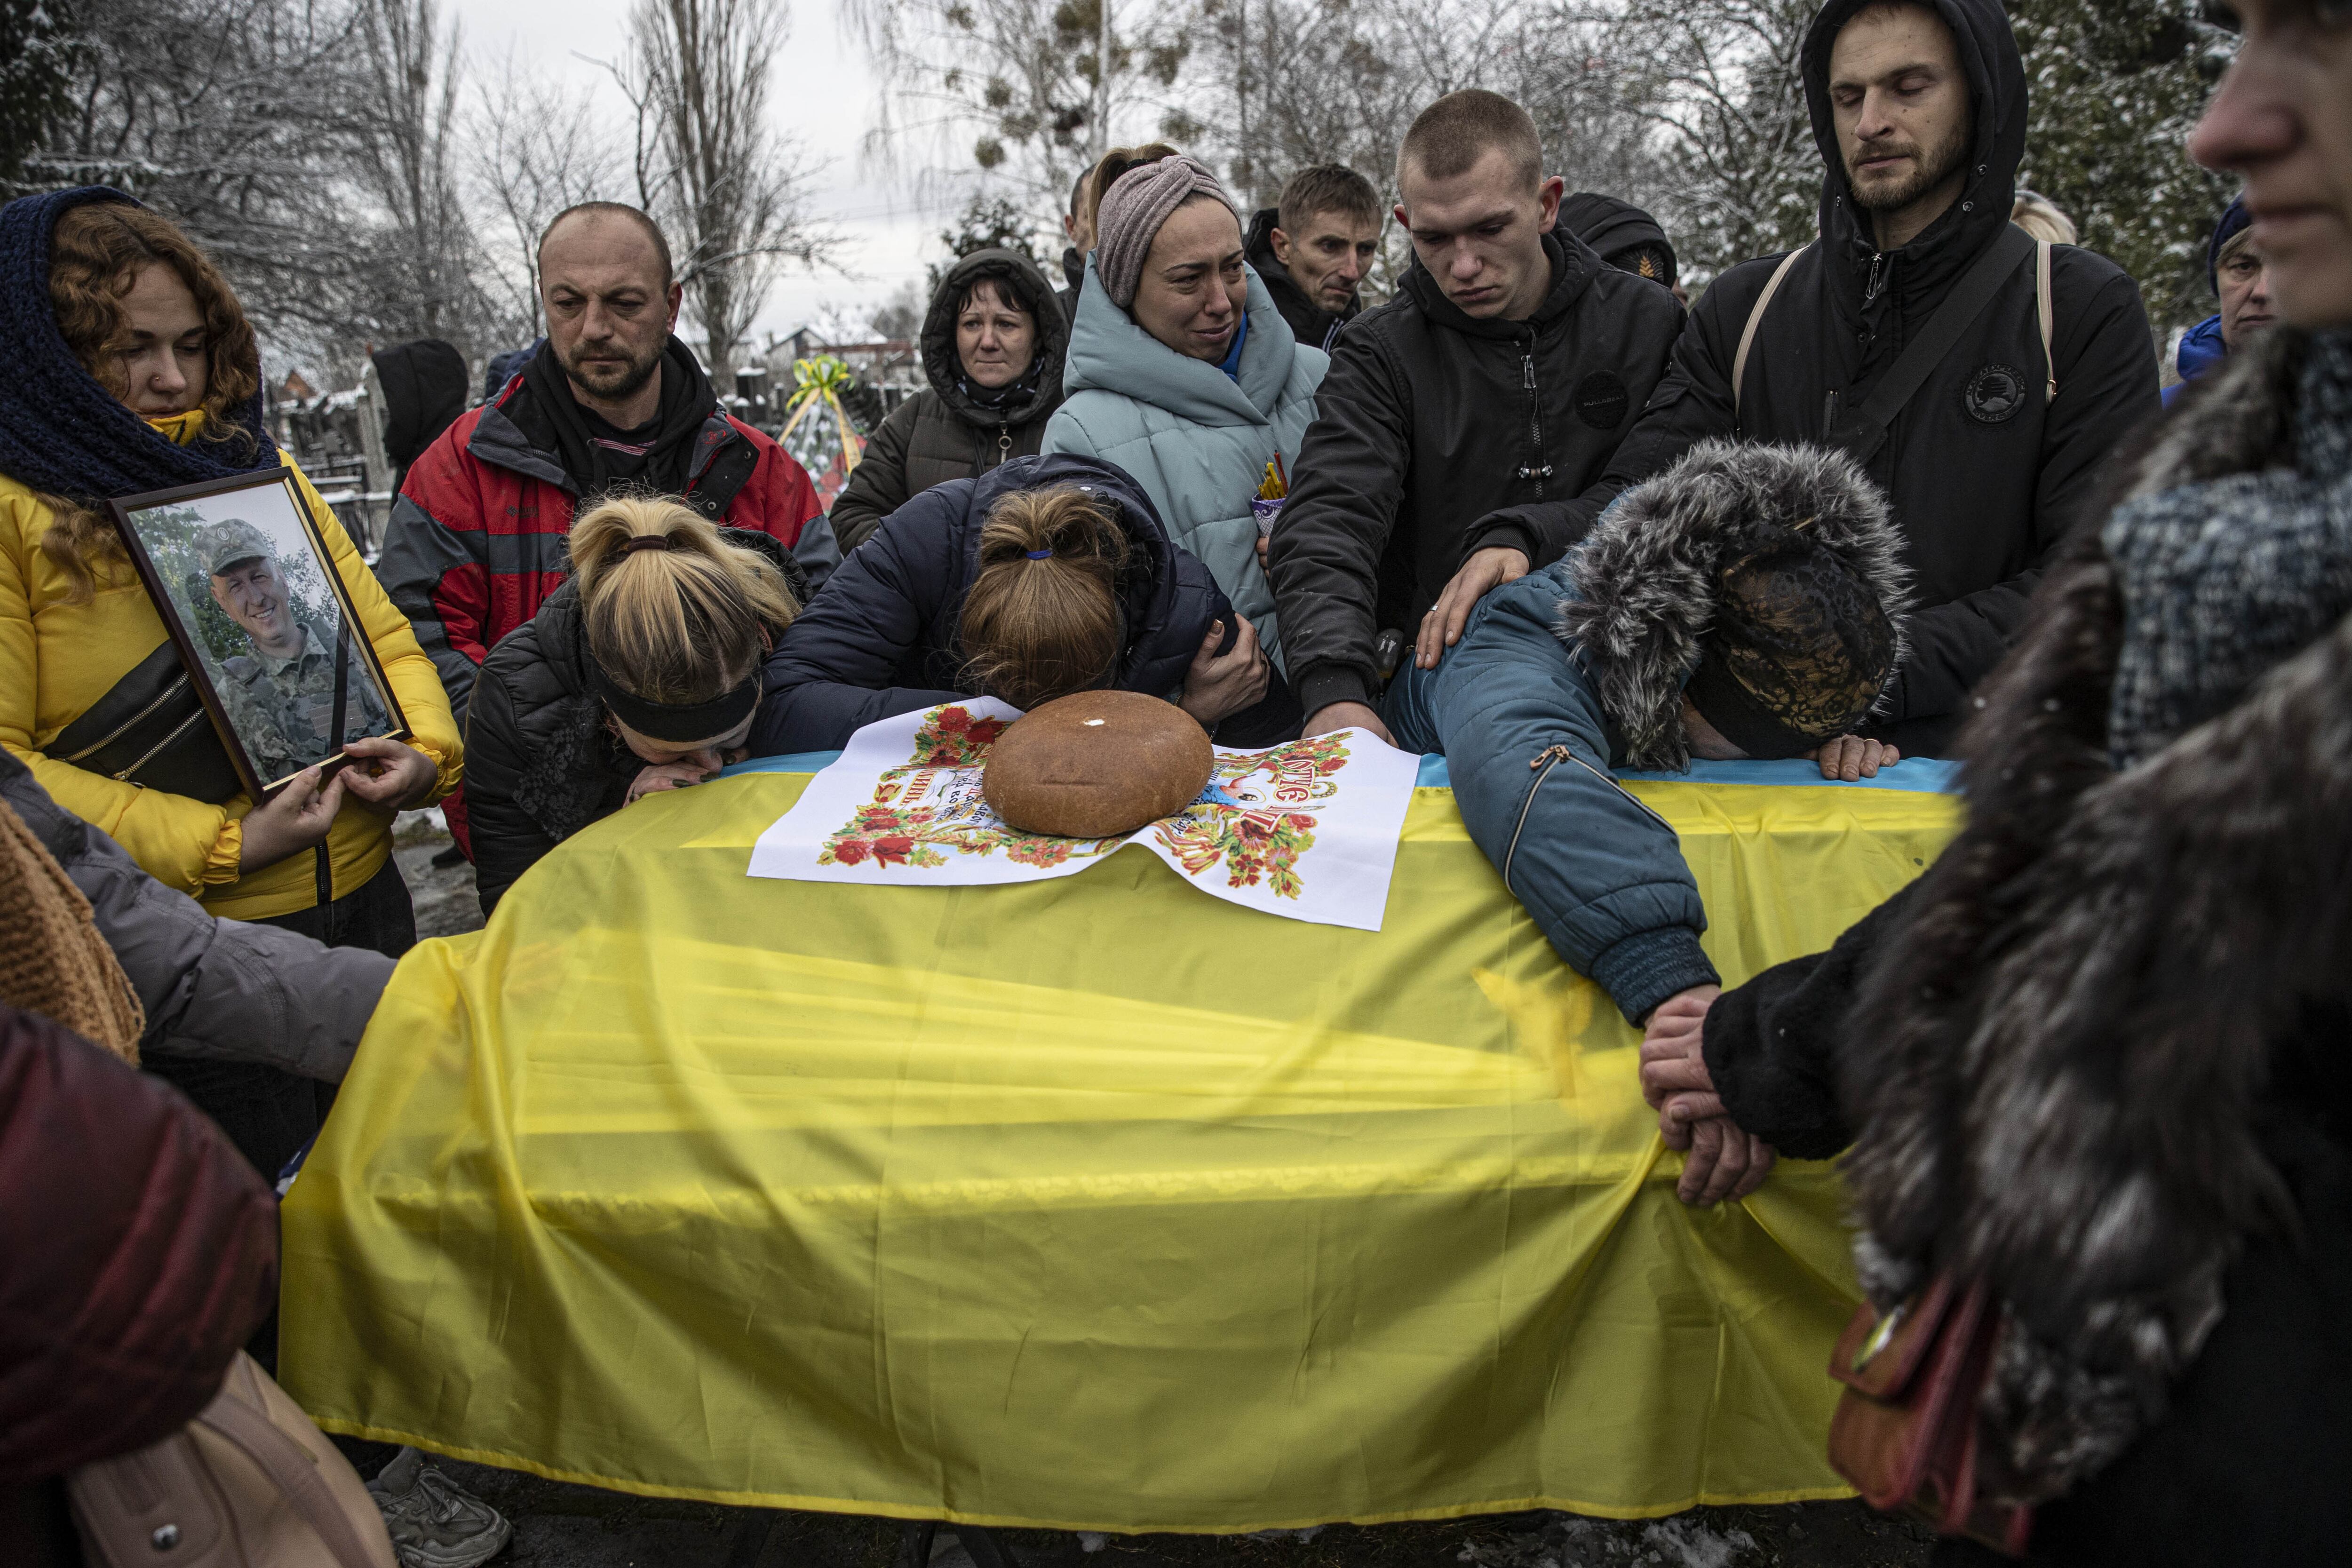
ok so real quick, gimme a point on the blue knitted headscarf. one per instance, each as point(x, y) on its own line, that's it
point(62, 432)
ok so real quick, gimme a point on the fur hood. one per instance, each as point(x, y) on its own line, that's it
point(2062, 1063)
point(1647, 578)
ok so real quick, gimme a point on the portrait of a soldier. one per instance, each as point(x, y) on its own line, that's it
point(281, 696)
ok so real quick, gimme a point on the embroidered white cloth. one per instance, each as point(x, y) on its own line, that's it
point(1308, 830)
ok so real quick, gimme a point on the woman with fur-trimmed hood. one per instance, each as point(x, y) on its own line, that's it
point(1743, 603)
point(2096, 1058)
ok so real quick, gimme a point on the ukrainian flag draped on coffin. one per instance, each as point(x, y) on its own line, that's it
point(1094, 1202)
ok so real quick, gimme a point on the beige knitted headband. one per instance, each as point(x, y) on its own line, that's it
point(1132, 212)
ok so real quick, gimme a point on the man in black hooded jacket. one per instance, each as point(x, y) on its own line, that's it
point(1919, 109)
point(1462, 429)
point(1624, 235)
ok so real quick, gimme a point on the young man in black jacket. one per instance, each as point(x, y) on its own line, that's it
point(1465, 426)
point(1919, 109)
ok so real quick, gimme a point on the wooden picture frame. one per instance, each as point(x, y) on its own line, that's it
point(248, 633)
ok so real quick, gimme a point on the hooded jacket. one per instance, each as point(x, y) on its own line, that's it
point(548, 765)
point(213, 989)
point(945, 432)
point(423, 386)
point(1310, 323)
point(1194, 438)
point(1579, 668)
point(2201, 349)
point(1440, 434)
point(1611, 227)
point(1985, 472)
point(883, 637)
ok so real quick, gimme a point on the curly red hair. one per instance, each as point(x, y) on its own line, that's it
point(96, 254)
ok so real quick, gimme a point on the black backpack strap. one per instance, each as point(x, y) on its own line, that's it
point(1863, 431)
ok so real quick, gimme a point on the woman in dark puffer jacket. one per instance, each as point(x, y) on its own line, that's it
point(992, 348)
point(640, 674)
point(1047, 576)
point(2096, 1057)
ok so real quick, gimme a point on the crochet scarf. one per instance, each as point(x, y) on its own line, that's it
point(2227, 575)
point(60, 431)
point(52, 958)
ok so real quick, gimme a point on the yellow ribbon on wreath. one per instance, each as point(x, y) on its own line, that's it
point(820, 382)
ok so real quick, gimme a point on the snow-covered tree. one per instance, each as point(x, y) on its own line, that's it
point(1720, 81)
point(533, 148)
point(2116, 86)
point(730, 190)
point(37, 66)
point(422, 260)
point(1026, 92)
point(1295, 82)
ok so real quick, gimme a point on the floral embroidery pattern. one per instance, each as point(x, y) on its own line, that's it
point(952, 738)
point(932, 803)
point(1254, 825)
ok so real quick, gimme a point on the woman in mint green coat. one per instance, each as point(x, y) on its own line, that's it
point(1183, 371)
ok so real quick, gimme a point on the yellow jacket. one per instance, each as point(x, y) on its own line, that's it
point(56, 659)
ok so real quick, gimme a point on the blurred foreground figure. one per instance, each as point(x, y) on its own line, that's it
point(2095, 1057)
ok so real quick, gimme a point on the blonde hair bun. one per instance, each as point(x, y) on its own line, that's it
point(1097, 765)
point(674, 613)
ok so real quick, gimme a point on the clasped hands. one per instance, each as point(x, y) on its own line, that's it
point(1720, 1160)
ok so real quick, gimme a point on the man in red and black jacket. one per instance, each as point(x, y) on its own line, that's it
point(612, 400)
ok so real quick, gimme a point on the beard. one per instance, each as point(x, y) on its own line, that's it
point(614, 382)
point(1928, 169)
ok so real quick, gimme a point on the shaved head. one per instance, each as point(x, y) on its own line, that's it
point(607, 216)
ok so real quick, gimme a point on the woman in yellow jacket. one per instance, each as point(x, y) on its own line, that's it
point(127, 364)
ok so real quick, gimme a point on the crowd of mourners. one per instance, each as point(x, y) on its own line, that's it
point(1917, 488)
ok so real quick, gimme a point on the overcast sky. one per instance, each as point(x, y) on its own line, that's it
point(821, 92)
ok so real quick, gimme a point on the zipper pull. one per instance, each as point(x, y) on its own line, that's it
point(1877, 276)
point(1004, 443)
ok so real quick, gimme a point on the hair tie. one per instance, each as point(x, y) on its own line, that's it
point(1039, 554)
point(648, 541)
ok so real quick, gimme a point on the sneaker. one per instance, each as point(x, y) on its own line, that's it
point(433, 1524)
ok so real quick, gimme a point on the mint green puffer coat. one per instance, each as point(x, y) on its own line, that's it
point(1196, 440)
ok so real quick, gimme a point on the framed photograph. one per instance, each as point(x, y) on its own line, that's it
point(242, 577)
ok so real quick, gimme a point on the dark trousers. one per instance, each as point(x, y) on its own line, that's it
point(268, 1113)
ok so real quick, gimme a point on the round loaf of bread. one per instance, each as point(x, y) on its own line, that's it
point(1097, 765)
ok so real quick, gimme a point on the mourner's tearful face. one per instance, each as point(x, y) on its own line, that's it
point(1329, 257)
point(610, 307)
point(2283, 119)
point(166, 360)
point(1480, 233)
point(253, 592)
point(1194, 290)
point(1900, 99)
point(996, 340)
